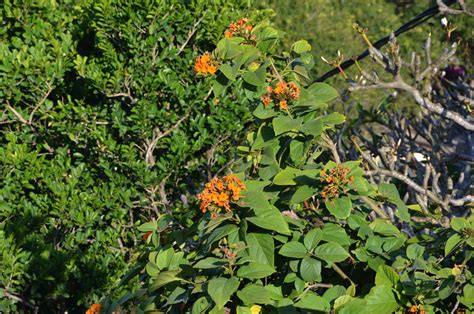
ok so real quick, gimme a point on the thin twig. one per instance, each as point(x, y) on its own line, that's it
point(191, 33)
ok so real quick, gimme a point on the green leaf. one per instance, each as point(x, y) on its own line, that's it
point(293, 249)
point(255, 270)
point(310, 269)
point(333, 118)
point(334, 292)
point(264, 113)
point(313, 127)
point(254, 294)
point(312, 238)
point(282, 124)
point(210, 263)
point(200, 306)
point(271, 219)
point(459, 224)
point(255, 199)
point(228, 48)
point(415, 251)
point(228, 71)
point(339, 207)
point(331, 252)
point(303, 193)
point(313, 302)
point(163, 279)
point(390, 191)
point(335, 233)
point(221, 289)
point(323, 92)
point(255, 78)
point(446, 288)
point(381, 300)
point(219, 233)
point(467, 297)
point(383, 227)
point(261, 248)
point(301, 46)
point(451, 243)
point(386, 276)
point(286, 176)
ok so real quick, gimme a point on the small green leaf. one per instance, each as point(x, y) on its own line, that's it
point(381, 300)
point(323, 92)
point(312, 238)
point(339, 207)
point(313, 127)
point(163, 279)
point(264, 113)
point(331, 252)
point(415, 251)
point(333, 118)
point(282, 124)
point(286, 176)
point(310, 269)
point(227, 71)
point(261, 248)
point(302, 193)
point(254, 294)
point(293, 249)
point(255, 270)
point(313, 302)
point(221, 289)
point(386, 276)
point(451, 243)
point(271, 219)
point(459, 224)
point(301, 46)
point(383, 227)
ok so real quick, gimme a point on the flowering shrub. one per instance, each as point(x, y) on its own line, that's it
point(306, 233)
point(219, 193)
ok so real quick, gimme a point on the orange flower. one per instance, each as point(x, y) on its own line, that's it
point(205, 64)
point(280, 87)
point(294, 90)
point(94, 309)
point(266, 100)
point(218, 193)
point(282, 94)
point(241, 28)
point(337, 182)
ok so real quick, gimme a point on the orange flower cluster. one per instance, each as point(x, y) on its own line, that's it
point(241, 28)
point(416, 309)
point(218, 194)
point(337, 182)
point(205, 64)
point(94, 309)
point(281, 94)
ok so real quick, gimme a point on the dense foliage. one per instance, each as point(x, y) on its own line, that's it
point(103, 125)
point(295, 229)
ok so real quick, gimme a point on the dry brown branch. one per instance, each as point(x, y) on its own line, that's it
point(150, 145)
point(191, 33)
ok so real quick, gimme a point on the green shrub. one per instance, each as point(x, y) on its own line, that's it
point(104, 124)
point(305, 233)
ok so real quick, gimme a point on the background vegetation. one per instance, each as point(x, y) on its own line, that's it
point(103, 125)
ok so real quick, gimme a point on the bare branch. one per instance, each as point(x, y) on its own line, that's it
point(191, 33)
